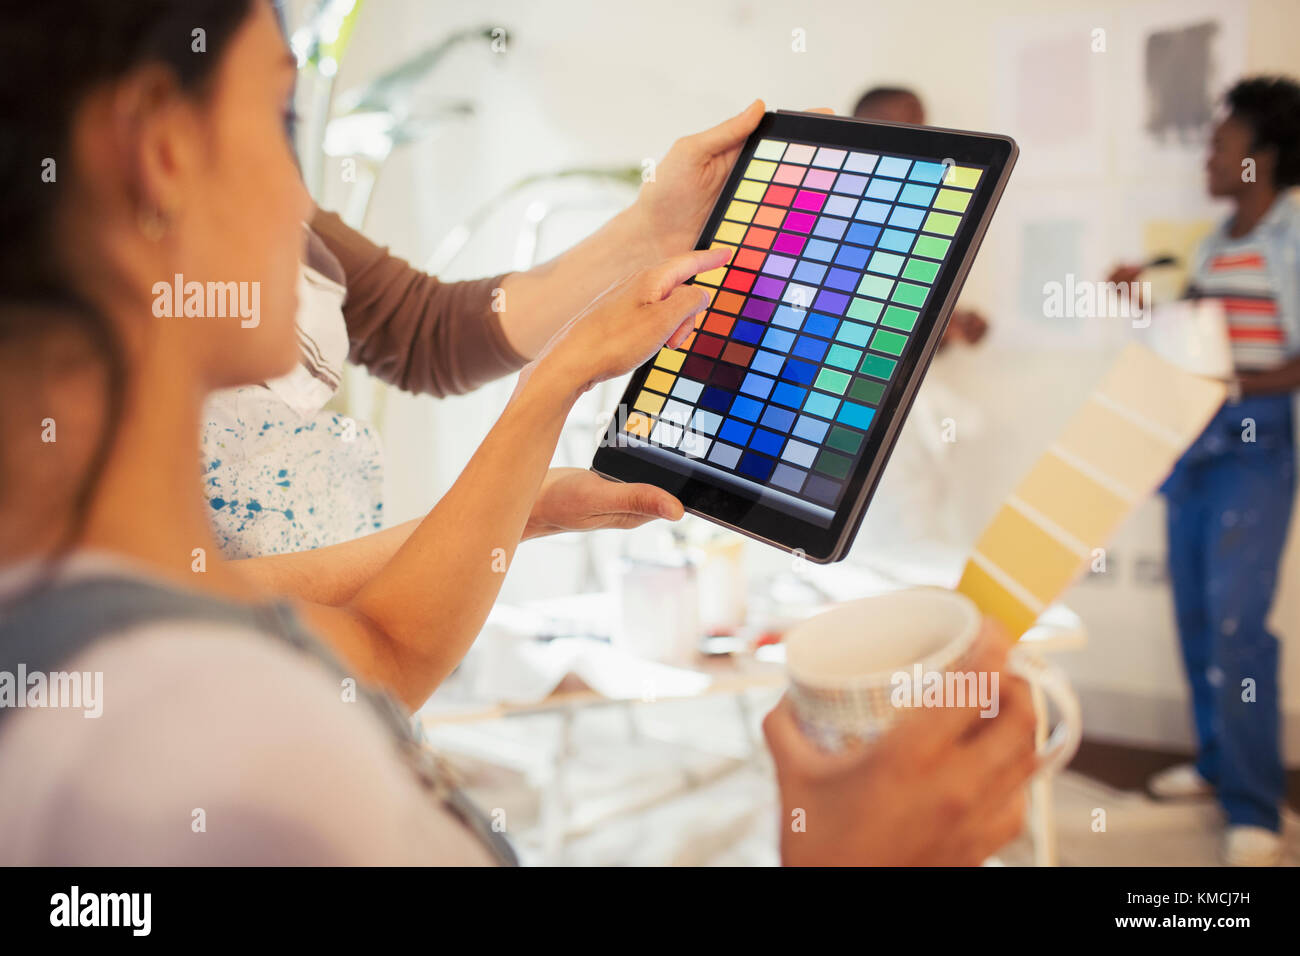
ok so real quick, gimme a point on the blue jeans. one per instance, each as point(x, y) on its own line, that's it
point(1229, 503)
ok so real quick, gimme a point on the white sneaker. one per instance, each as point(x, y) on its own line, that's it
point(1251, 846)
point(1179, 782)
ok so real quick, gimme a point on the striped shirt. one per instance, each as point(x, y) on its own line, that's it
point(1237, 275)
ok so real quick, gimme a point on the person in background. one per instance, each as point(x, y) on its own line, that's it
point(223, 697)
point(898, 104)
point(1229, 499)
point(891, 104)
point(913, 519)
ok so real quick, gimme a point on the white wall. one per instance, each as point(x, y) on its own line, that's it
point(613, 83)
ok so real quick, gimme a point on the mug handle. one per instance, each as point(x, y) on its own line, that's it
point(1064, 740)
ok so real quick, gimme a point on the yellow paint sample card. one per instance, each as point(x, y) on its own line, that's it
point(1113, 453)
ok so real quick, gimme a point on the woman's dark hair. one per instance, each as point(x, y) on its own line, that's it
point(52, 55)
point(1270, 106)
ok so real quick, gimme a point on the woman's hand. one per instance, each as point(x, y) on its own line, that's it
point(1123, 274)
point(629, 323)
point(943, 787)
point(965, 325)
point(574, 499)
point(1126, 277)
point(673, 205)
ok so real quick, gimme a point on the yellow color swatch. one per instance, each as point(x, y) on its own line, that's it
point(1027, 552)
point(670, 359)
point(954, 200)
point(964, 177)
point(660, 381)
point(996, 601)
point(1164, 402)
point(1076, 502)
point(1105, 441)
point(649, 403)
point(760, 169)
point(712, 277)
point(730, 232)
point(638, 424)
point(740, 211)
point(750, 190)
point(722, 245)
point(1113, 453)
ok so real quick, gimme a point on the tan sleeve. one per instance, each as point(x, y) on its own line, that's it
point(410, 329)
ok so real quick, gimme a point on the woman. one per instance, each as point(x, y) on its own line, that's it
point(283, 474)
point(226, 732)
point(1230, 497)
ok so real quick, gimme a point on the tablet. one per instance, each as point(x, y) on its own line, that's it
point(849, 244)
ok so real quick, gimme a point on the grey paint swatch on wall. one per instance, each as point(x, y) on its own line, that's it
point(1179, 69)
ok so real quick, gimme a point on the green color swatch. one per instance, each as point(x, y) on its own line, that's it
point(942, 223)
point(921, 270)
point(865, 310)
point(844, 439)
point(891, 343)
point(875, 286)
point(877, 366)
point(834, 465)
point(932, 247)
point(899, 318)
point(832, 381)
point(867, 391)
point(909, 294)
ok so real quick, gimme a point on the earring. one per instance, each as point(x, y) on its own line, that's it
point(153, 223)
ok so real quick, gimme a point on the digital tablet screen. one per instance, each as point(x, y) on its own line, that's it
point(835, 256)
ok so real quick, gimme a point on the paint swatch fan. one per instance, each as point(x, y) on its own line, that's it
point(1114, 452)
point(1193, 335)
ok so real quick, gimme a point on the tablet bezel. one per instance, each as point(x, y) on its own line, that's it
point(746, 513)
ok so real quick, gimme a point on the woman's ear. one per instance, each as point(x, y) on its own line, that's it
point(1265, 164)
point(157, 139)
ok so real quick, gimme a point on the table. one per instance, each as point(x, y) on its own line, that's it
point(458, 725)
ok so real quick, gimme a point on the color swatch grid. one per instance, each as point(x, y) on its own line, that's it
point(833, 256)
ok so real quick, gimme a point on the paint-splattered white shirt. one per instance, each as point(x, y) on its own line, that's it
point(278, 482)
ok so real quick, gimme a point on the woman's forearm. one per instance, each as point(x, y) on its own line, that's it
point(409, 625)
point(329, 575)
point(412, 620)
point(1284, 378)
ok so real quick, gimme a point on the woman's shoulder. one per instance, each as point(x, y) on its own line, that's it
point(206, 742)
point(1282, 222)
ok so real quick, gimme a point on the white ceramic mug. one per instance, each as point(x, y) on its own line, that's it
point(855, 669)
